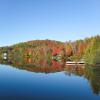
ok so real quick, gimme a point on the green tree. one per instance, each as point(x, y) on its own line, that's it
point(92, 54)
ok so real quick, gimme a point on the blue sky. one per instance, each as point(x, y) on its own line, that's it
point(63, 20)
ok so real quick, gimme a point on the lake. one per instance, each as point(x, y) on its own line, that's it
point(49, 83)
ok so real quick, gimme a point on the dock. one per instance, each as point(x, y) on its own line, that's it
point(74, 63)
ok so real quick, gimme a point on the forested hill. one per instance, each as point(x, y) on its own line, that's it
point(87, 50)
point(38, 49)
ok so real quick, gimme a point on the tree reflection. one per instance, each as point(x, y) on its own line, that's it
point(50, 66)
point(89, 72)
point(75, 69)
point(93, 75)
point(37, 65)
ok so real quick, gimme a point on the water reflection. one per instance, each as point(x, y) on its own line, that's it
point(75, 69)
point(29, 64)
point(92, 74)
point(89, 72)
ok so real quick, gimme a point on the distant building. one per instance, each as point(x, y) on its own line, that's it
point(5, 55)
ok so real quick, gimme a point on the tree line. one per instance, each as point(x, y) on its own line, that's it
point(87, 50)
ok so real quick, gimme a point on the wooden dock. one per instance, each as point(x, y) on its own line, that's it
point(74, 63)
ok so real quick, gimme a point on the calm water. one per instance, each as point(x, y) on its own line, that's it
point(68, 83)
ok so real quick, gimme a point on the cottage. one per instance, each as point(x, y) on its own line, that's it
point(5, 55)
